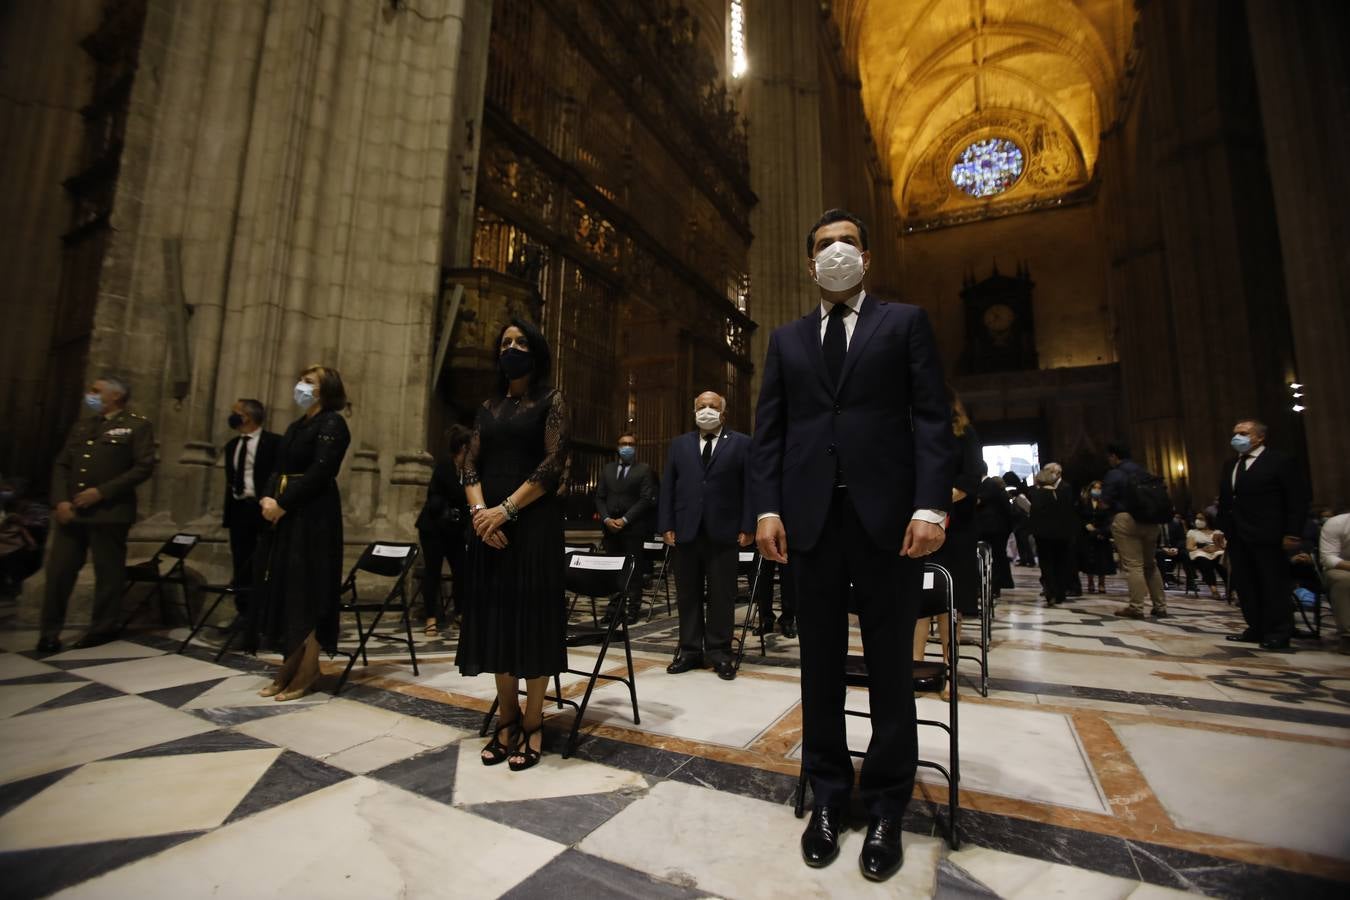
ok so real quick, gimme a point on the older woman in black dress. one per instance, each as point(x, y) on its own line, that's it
point(301, 556)
point(514, 617)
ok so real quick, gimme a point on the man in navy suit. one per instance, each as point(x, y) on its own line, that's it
point(852, 467)
point(250, 460)
point(705, 513)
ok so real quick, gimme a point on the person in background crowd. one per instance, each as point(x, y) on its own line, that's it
point(24, 525)
point(1171, 554)
point(1135, 540)
point(787, 595)
point(625, 500)
point(515, 616)
point(1333, 555)
point(1205, 548)
point(1262, 500)
point(1053, 522)
point(1304, 561)
point(993, 524)
point(958, 552)
point(1097, 559)
point(443, 526)
point(705, 514)
point(250, 462)
point(94, 479)
point(1019, 496)
point(301, 556)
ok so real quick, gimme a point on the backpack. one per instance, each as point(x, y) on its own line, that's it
point(1146, 499)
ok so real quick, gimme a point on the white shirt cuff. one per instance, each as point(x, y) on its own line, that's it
point(931, 516)
point(763, 516)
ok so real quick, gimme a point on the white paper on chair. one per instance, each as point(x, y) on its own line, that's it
point(386, 550)
point(185, 539)
point(600, 563)
point(747, 556)
point(928, 581)
point(653, 545)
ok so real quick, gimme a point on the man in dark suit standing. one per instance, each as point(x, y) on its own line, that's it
point(852, 467)
point(705, 513)
point(250, 461)
point(1262, 503)
point(624, 500)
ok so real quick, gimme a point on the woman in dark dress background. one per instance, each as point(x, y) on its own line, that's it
point(1098, 560)
point(442, 526)
point(957, 552)
point(514, 617)
point(301, 554)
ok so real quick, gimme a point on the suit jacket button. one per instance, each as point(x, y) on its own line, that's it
point(830, 449)
point(838, 409)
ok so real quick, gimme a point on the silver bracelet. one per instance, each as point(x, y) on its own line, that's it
point(512, 511)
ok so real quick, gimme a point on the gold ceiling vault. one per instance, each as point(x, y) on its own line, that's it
point(938, 74)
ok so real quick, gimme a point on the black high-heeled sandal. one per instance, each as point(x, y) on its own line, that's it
point(499, 752)
point(524, 749)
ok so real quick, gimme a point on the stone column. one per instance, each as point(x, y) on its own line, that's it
point(783, 99)
point(1299, 52)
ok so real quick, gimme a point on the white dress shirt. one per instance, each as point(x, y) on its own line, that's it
point(854, 303)
point(1251, 458)
point(1333, 542)
point(246, 453)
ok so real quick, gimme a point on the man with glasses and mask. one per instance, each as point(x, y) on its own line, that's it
point(705, 514)
point(250, 460)
point(108, 453)
point(852, 471)
point(624, 501)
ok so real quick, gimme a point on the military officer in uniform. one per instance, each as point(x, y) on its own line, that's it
point(94, 497)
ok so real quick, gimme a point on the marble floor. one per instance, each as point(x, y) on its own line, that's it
point(1112, 758)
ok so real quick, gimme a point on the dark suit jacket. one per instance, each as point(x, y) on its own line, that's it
point(886, 426)
point(969, 456)
point(1054, 513)
point(993, 512)
point(717, 497)
point(633, 498)
point(264, 467)
point(1271, 499)
point(445, 498)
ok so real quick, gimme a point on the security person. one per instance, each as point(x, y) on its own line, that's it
point(94, 492)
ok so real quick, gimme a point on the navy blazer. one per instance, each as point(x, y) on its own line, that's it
point(718, 497)
point(886, 427)
point(1270, 503)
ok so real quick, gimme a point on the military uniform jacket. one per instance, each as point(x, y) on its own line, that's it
point(113, 454)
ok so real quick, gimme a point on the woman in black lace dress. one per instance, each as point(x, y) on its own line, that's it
point(301, 555)
point(514, 617)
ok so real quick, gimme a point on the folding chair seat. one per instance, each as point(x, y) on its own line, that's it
point(929, 676)
point(391, 561)
point(657, 554)
point(593, 575)
point(176, 550)
point(750, 564)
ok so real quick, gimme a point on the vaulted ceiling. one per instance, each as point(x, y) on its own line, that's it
point(937, 74)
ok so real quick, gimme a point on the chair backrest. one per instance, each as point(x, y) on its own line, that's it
point(178, 546)
point(386, 559)
point(598, 574)
point(747, 561)
point(654, 550)
point(576, 548)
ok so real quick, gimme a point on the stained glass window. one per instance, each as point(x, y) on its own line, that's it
point(989, 167)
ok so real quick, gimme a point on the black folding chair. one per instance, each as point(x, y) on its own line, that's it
point(928, 677)
point(176, 550)
point(985, 565)
point(387, 560)
point(593, 575)
point(230, 631)
point(751, 565)
point(657, 554)
point(1310, 578)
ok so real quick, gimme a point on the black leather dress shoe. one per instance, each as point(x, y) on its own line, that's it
point(1279, 644)
point(1245, 637)
point(882, 854)
point(726, 670)
point(684, 664)
point(49, 645)
point(94, 640)
point(820, 840)
point(788, 627)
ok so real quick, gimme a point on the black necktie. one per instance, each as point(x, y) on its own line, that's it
point(836, 341)
point(707, 449)
point(623, 471)
point(1241, 469)
point(238, 486)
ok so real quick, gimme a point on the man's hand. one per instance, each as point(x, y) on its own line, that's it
point(87, 498)
point(744, 538)
point(921, 539)
point(65, 513)
point(615, 524)
point(772, 539)
point(1291, 543)
point(669, 538)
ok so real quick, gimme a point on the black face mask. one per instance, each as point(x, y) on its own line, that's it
point(235, 420)
point(516, 363)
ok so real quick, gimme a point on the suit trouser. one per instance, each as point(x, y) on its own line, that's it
point(1265, 586)
point(246, 522)
point(1136, 543)
point(787, 592)
point(699, 562)
point(438, 548)
point(1056, 556)
point(1338, 586)
point(885, 591)
point(628, 542)
point(70, 544)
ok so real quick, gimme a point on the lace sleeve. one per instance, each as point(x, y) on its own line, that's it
point(471, 461)
point(557, 433)
point(330, 447)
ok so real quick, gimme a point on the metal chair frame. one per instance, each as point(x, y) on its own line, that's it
point(753, 575)
point(382, 565)
point(176, 548)
point(658, 551)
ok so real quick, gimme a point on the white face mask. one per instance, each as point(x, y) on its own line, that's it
point(839, 267)
point(708, 418)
